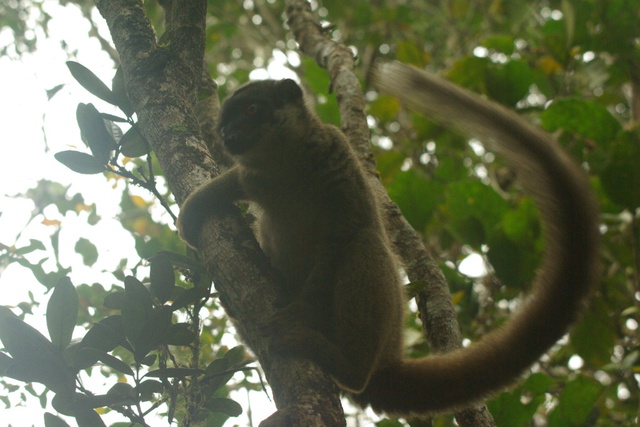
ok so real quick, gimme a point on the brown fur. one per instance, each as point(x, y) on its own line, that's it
point(342, 303)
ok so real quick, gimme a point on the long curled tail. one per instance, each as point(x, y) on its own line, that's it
point(568, 274)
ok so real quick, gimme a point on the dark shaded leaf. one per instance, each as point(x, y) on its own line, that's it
point(189, 296)
point(88, 251)
point(180, 334)
point(51, 420)
point(147, 388)
point(576, 403)
point(35, 357)
point(107, 359)
point(162, 277)
point(80, 162)
point(114, 300)
point(133, 144)
point(87, 417)
point(120, 94)
point(137, 309)
point(235, 355)
point(95, 133)
point(91, 82)
point(224, 406)
point(62, 313)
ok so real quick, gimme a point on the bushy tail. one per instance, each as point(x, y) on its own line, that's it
point(568, 273)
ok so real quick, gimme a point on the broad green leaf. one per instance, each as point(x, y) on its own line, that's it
point(621, 177)
point(35, 357)
point(120, 94)
point(155, 331)
point(594, 337)
point(235, 355)
point(122, 391)
point(223, 405)
point(95, 133)
point(509, 83)
point(87, 250)
point(87, 417)
point(180, 334)
point(107, 359)
point(416, 197)
point(137, 309)
point(91, 82)
point(581, 117)
point(80, 162)
point(62, 313)
point(163, 278)
point(576, 403)
point(147, 388)
point(133, 144)
point(51, 420)
point(114, 300)
point(189, 296)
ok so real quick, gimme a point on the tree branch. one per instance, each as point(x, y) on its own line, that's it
point(162, 82)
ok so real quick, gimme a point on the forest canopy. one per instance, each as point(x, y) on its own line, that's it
point(121, 324)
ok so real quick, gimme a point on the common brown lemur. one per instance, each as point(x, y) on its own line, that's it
point(320, 225)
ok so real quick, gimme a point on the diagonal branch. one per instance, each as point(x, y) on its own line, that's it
point(434, 302)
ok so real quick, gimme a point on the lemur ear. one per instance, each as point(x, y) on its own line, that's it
point(289, 89)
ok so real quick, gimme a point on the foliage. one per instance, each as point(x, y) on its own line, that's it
point(569, 66)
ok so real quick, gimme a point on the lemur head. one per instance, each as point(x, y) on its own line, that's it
point(260, 116)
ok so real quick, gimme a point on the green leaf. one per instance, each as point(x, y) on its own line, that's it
point(621, 177)
point(509, 83)
point(133, 144)
point(180, 334)
point(91, 82)
point(35, 357)
point(114, 300)
point(123, 391)
point(576, 403)
point(95, 133)
point(107, 359)
point(235, 355)
point(163, 278)
point(189, 296)
point(147, 388)
point(120, 94)
point(475, 211)
point(87, 417)
point(137, 309)
point(584, 118)
point(416, 196)
point(51, 420)
point(224, 406)
point(154, 332)
point(80, 162)
point(88, 251)
point(104, 335)
point(594, 337)
point(62, 313)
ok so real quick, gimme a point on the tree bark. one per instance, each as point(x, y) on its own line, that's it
point(162, 83)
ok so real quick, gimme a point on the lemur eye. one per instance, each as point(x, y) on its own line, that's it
point(251, 109)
